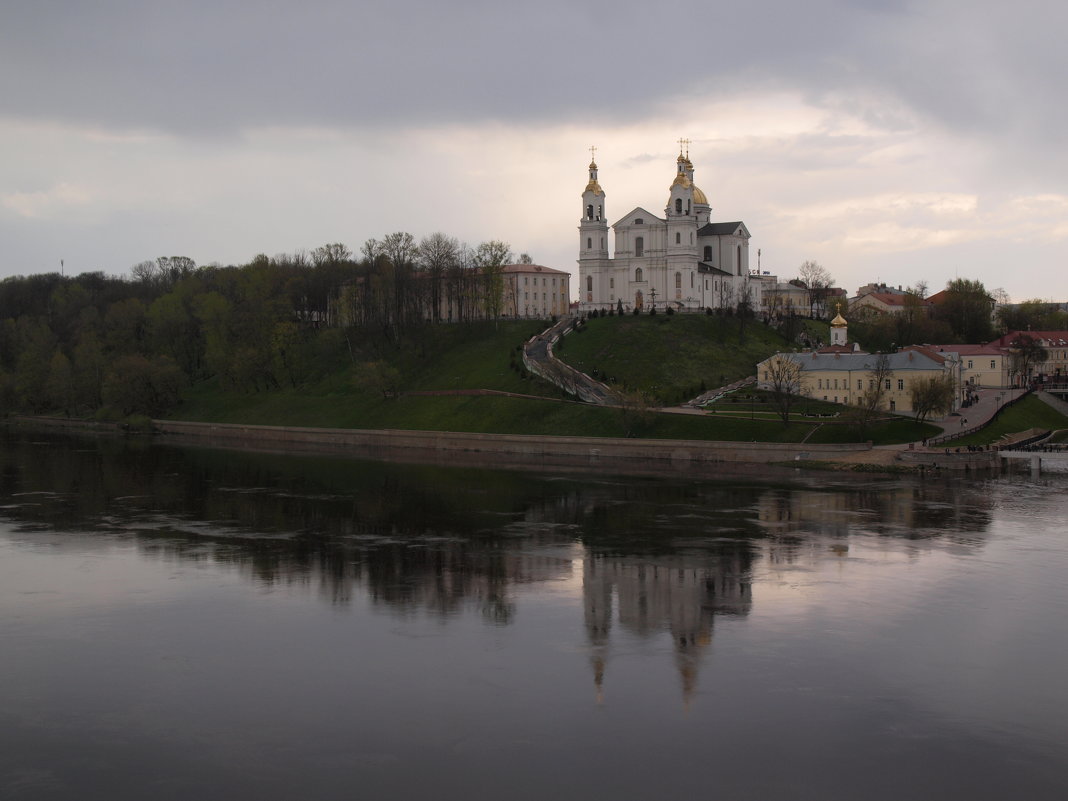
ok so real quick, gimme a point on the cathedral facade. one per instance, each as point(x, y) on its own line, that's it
point(683, 260)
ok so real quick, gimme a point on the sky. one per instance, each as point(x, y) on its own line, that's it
point(889, 141)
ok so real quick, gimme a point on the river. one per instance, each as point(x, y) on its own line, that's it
point(180, 623)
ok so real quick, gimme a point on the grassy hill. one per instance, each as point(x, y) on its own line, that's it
point(671, 358)
point(1031, 412)
point(458, 358)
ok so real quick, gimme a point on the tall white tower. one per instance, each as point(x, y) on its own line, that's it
point(681, 247)
point(593, 242)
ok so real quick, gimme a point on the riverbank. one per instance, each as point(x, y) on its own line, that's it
point(597, 454)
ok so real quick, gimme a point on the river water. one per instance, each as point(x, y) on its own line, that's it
point(183, 623)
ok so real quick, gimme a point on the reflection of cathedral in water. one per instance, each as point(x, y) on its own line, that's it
point(647, 594)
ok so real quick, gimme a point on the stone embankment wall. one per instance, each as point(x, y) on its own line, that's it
point(589, 451)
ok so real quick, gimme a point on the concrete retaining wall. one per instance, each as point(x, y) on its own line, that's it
point(592, 451)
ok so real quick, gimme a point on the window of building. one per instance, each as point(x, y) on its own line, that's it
point(639, 246)
point(992, 364)
point(678, 280)
point(691, 280)
point(638, 274)
point(598, 212)
point(739, 259)
point(639, 221)
point(708, 253)
point(589, 212)
point(678, 238)
point(678, 205)
point(589, 283)
point(860, 385)
point(969, 364)
point(611, 283)
point(901, 383)
point(589, 243)
point(888, 383)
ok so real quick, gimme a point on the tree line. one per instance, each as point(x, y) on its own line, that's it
point(122, 345)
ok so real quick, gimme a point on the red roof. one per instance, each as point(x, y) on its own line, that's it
point(1050, 338)
point(888, 299)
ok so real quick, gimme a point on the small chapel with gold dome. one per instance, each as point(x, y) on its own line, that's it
point(682, 260)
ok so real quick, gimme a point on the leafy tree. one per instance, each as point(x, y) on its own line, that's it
point(490, 258)
point(59, 387)
point(1025, 353)
point(966, 308)
point(137, 385)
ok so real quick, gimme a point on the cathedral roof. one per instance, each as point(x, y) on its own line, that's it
point(704, 267)
point(720, 229)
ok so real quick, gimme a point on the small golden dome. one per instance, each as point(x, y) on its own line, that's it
point(699, 197)
point(594, 187)
point(839, 321)
point(593, 165)
point(681, 180)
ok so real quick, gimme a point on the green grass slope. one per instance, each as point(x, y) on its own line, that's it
point(670, 357)
point(483, 356)
point(1031, 412)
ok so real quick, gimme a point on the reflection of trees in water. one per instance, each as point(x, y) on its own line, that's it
point(438, 539)
point(953, 511)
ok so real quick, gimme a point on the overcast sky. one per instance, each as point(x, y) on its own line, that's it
point(892, 141)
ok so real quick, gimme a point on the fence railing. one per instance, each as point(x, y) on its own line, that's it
point(979, 427)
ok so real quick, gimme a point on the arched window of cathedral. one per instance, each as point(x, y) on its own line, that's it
point(589, 243)
point(739, 260)
point(639, 221)
point(589, 283)
point(638, 274)
point(691, 280)
point(602, 243)
point(708, 253)
point(678, 238)
point(687, 206)
point(691, 237)
point(589, 212)
point(639, 246)
point(598, 212)
point(678, 205)
point(678, 280)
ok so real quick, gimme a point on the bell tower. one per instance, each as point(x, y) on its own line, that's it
point(593, 241)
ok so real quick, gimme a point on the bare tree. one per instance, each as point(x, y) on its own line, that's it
point(783, 379)
point(437, 253)
point(818, 281)
point(871, 399)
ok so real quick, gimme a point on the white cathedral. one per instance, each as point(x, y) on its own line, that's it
point(682, 260)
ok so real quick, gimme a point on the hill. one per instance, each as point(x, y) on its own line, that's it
point(438, 371)
point(670, 358)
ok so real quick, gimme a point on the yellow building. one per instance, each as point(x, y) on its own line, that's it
point(845, 377)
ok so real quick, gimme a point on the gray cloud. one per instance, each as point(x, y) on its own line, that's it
point(219, 66)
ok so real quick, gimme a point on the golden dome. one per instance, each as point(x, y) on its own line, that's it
point(839, 321)
point(681, 180)
point(699, 197)
point(593, 165)
point(594, 187)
